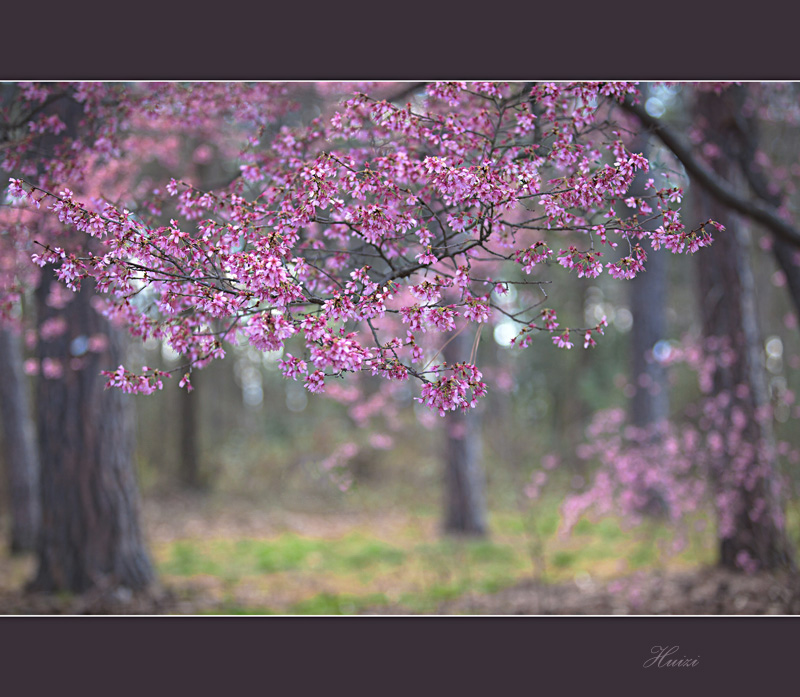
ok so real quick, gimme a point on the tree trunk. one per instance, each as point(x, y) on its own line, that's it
point(648, 293)
point(648, 407)
point(90, 536)
point(464, 481)
point(189, 473)
point(650, 402)
point(751, 524)
point(21, 459)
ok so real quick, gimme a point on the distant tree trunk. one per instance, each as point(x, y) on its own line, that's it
point(464, 481)
point(90, 536)
point(650, 402)
point(751, 525)
point(648, 294)
point(21, 459)
point(189, 472)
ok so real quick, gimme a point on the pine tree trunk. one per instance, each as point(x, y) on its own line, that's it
point(90, 536)
point(751, 525)
point(464, 481)
point(21, 459)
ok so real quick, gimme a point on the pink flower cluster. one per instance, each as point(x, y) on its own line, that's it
point(341, 229)
point(714, 457)
point(457, 391)
point(148, 382)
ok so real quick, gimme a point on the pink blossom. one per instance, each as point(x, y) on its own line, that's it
point(562, 340)
point(315, 382)
point(292, 367)
point(344, 228)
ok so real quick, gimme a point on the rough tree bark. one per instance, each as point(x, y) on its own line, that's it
point(90, 537)
point(21, 458)
point(464, 481)
point(744, 471)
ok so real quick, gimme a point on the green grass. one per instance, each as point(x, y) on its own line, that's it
point(607, 528)
point(564, 559)
point(226, 609)
point(191, 559)
point(234, 558)
point(411, 568)
point(643, 556)
point(359, 552)
point(333, 604)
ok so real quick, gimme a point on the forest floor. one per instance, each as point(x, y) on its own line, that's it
point(214, 556)
point(704, 591)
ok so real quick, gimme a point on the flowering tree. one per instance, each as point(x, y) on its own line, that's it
point(361, 241)
point(743, 460)
point(361, 233)
point(726, 453)
point(90, 534)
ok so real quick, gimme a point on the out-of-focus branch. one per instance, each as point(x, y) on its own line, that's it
point(407, 92)
point(783, 251)
point(714, 185)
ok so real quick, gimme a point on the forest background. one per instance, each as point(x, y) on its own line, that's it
point(261, 497)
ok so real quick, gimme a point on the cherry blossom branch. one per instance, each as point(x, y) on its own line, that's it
point(713, 184)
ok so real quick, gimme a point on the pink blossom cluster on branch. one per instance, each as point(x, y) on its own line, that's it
point(347, 236)
point(675, 469)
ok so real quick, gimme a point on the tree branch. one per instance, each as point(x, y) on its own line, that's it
point(406, 92)
point(714, 185)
